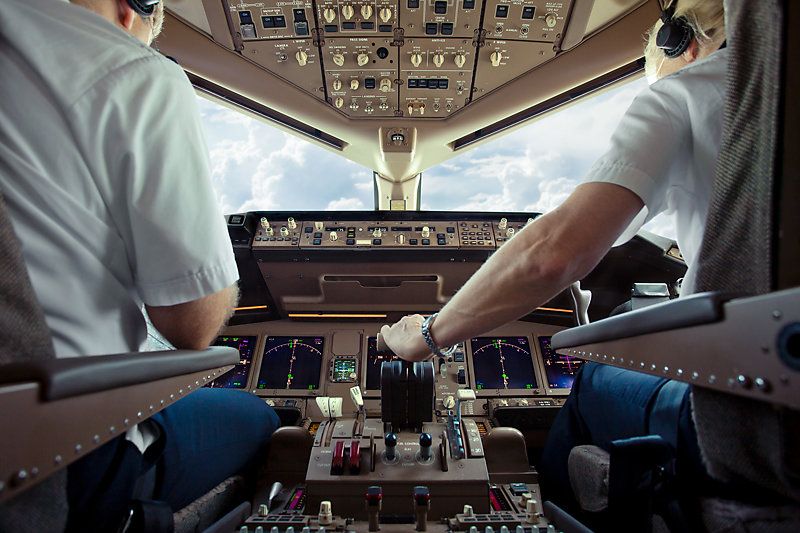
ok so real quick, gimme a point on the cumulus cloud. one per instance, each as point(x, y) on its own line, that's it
point(345, 204)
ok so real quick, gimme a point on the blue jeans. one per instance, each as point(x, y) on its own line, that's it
point(206, 437)
point(609, 403)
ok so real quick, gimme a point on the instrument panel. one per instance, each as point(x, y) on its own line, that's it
point(294, 362)
point(424, 59)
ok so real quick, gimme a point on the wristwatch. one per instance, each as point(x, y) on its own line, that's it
point(426, 334)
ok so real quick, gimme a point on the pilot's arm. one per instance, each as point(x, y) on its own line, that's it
point(554, 251)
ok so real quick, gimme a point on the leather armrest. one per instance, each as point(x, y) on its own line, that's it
point(695, 310)
point(73, 376)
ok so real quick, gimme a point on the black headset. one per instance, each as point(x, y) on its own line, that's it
point(145, 8)
point(676, 33)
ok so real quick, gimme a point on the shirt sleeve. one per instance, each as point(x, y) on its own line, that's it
point(150, 160)
point(644, 147)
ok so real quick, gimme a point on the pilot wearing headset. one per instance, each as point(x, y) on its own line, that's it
point(662, 159)
point(106, 178)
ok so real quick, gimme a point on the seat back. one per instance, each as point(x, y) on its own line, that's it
point(25, 337)
point(754, 443)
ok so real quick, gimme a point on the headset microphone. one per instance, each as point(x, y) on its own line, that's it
point(676, 33)
point(144, 8)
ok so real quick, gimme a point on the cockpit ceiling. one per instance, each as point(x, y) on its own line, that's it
point(398, 81)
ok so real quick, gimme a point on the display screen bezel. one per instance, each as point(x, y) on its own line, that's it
point(500, 393)
point(292, 392)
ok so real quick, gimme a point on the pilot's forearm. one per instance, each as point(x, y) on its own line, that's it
point(540, 261)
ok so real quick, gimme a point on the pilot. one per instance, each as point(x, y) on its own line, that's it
point(105, 174)
point(662, 159)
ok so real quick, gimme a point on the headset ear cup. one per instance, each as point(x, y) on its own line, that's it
point(674, 37)
point(144, 8)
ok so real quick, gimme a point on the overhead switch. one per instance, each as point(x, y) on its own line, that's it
point(348, 11)
point(339, 102)
point(496, 58)
point(460, 60)
point(366, 11)
point(385, 14)
point(329, 14)
point(337, 84)
point(353, 85)
point(438, 60)
point(292, 223)
point(551, 20)
point(338, 59)
point(426, 231)
point(416, 59)
point(386, 85)
point(362, 59)
point(302, 58)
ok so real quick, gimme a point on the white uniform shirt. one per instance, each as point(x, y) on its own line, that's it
point(665, 150)
point(105, 172)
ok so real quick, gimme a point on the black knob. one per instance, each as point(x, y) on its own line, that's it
point(383, 53)
point(425, 440)
point(390, 440)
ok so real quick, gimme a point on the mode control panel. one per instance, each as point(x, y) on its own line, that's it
point(289, 233)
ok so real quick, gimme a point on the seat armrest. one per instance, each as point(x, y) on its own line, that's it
point(74, 376)
point(695, 310)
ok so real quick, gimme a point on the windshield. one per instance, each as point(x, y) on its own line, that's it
point(256, 166)
point(537, 166)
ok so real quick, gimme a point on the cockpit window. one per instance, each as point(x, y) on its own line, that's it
point(256, 166)
point(536, 167)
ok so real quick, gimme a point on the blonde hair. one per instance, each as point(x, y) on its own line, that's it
point(705, 17)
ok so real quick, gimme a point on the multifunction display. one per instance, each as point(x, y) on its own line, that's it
point(560, 369)
point(502, 363)
point(291, 363)
point(237, 377)
point(375, 359)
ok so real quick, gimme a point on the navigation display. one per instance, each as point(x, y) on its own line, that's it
point(374, 361)
point(502, 363)
point(236, 377)
point(560, 369)
point(291, 363)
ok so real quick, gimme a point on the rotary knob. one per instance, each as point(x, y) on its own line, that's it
point(264, 222)
point(292, 223)
point(401, 239)
point(362, 59)
point(460, 60)
point(354, 85)
point(523, 402)
point(329, 14)
point(377, 233)
point(426, 231)
point(551, 20)
point(386, 85)
point(496, 58)
point(385, 14)
point(339, 102)
point(334, 236)
point(284, 231)
point(269, 231)
point(366, 11)
point(416, 59)
point(338, 59)
point(301, 57)
point(510, 232)
point(348, 11)
point(438, 60)
point(337, 84)
point(503, 223)
point(449, 402)
point(319, 226)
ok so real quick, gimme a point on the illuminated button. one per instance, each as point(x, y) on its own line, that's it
point(469, 4)
point(317, 242)
point(528, 12)
point(245, 17)
point(299, 15)
point(367, 25)
point(318, 235)
point(376, 242)
point(443, 83)
point(280, 22)
point(426, 242)
point(385, 28)
point(431, 28)
point(301, 28)
point(350, 242)
point(447, 28)
point(348, 25)
point(369, 83)
point(440, 7)
point(413, 4)
point(441, 242)
point(451, 229)
point(267, 22)
point(501, 12)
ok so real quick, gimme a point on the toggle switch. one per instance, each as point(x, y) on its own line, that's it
point(425, 442)
point(302, 58)
point(338, 59)
point(401, 239)
point(362, 59)
point(410, 109)
point(292, 223)
point(390, 440)
point(284, 231)
point(496, 58)
point(366, 11)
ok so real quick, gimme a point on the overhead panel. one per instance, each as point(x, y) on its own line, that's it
point(421, 59)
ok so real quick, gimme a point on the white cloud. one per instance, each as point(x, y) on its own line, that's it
point(345, 204)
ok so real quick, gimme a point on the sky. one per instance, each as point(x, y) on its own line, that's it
point(258, 167)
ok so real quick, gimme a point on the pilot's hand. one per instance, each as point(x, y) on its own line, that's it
point(405, 338)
